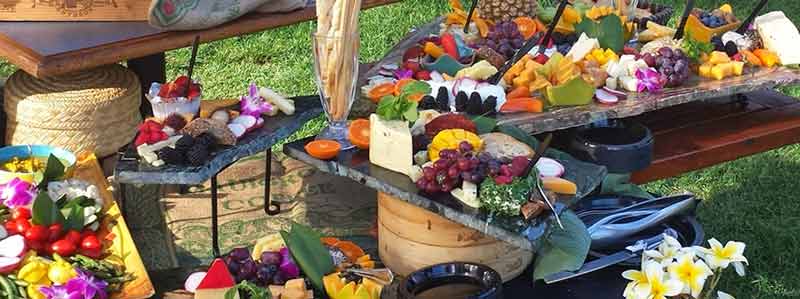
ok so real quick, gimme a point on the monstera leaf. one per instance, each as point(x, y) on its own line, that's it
point(608, 31)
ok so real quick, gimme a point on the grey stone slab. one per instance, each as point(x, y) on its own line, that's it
point(130, 170)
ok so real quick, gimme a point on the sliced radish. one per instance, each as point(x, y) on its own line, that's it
point(549, 168)
point(247, 121)
point(3, 233)
point(386, 73)
point(621, 95)
point(9, 264)
point(13, 246)
point(436, 77)
point(390, 67)
point(605, 97)
point(237, 129)
point(193, 281)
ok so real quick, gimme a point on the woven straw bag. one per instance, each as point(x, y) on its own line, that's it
point(96, 110)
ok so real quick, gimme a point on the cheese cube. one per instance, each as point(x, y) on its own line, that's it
point(779, 35)
point(390, 144)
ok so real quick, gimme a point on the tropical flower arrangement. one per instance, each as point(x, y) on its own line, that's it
point(674, 271)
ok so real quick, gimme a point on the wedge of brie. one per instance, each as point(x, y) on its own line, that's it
point(779, 35)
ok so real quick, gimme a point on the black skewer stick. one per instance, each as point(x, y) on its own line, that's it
point(684, 18)
point(469, 16)
point(746, 23)
point(195, 45)
point(529, 44)
point(538, 154)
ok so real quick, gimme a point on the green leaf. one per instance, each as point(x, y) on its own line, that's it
point(254, 291)
point(484, 124)
point(620, 184)
point(563, 250)
point(45, 211)
point(608, 31)
point(414, 87)
point(53, 171)
point(75, 219)
point(309, 253)
point(411, 114)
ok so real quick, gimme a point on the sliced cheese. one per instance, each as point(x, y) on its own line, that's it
point(285, 105)
point(779, 35)
point(583, 46)
point(390, 144)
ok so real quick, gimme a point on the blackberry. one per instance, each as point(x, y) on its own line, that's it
point(474, 104)
point(443, 99)
point(205, 140)
point(185, 143)
point(428, 102)
point(461, 101)
point(489, 105)
point(175, 121)
point(197, 156)
point(171, 156)
point(731, 49)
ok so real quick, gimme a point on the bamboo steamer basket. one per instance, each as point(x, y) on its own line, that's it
point(95, 110)
point(411, 238)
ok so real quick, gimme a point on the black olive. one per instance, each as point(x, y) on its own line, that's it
point(443, 99)
point(428, 102)
point(461, 101)
point(489, 105)
point(474, 105)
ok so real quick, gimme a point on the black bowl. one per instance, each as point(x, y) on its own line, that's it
point(622, 146)
point(456, 280)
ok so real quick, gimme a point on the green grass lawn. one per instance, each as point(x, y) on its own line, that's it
point(751, 200)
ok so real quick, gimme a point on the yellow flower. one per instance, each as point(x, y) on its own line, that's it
point(691, 273)
point(636, 277)
point(657, 286)
point(719, 257)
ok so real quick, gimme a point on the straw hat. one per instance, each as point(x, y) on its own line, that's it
point(95, 110)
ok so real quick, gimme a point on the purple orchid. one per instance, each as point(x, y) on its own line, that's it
point(17, 193)
point(403, 74)
point(85, 283)
point(253, 104)
point(59, 292)
point(649, 79)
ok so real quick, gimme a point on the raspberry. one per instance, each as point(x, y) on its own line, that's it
point(175, 122)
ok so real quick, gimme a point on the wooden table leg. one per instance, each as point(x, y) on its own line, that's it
point(149, 69)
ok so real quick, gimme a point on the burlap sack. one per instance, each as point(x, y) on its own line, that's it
point(203, 14)
point(333, 205)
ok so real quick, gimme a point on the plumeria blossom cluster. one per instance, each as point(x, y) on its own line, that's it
point(673, 271)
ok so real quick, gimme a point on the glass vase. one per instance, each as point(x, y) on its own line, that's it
point(336, 72)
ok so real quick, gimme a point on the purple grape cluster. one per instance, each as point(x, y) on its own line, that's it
point(274, 268)
point(450, 169)
point(672, 64)
point(504, 38)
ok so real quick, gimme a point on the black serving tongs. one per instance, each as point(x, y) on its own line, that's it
point(746, 23)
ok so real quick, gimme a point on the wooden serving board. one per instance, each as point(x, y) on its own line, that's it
point(74, 10)
point(88, 169)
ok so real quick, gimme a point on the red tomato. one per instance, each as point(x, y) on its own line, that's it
point(56, 231)
point(22, 226)
point(37, 233)
point(21, 213)
point(11, 227)
point(91, 242)
point(73, 236)
point(95, 254)
point(63, 248)
point(38, 246)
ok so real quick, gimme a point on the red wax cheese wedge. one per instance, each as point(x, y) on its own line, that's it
point(217, 276)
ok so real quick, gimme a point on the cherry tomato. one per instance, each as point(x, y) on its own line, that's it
point(38, 246)
point(56, 231)
point(11, 227)
point(91, 242)
point(37, 233)
point(95, 254)
point(73, 236)
point(21, 213)
point(87, 232)
point(22, 226)
point(63, 248)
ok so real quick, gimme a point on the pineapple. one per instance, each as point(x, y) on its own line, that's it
point(507, 10)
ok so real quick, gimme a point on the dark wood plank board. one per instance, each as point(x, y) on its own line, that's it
point(52, 48)
point(716, 133)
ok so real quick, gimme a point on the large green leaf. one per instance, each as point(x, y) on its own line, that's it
point(608, 31)
point(309, 253)
point(45, 211)
point(53, 171)
point(564, 249)
point(484, 124)
point(620, 184)
point(74, 220)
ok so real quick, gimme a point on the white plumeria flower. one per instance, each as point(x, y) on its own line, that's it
point(723, 295)
point(657, 286)
point(692, 274)
point(719, 257)
point(636, 277)
point(667, 251)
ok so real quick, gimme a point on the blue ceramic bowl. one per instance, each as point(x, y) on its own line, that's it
point(40, 151)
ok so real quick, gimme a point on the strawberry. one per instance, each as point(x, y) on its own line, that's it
point(141, 139)
point(413, 66)
point(422, 75)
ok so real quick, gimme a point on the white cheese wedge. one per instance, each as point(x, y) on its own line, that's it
point(390, 144)
point(583, 46)
point(213, 293)
point(779, 35)
point(628, 83)
point(468, 194)
point(285, 105)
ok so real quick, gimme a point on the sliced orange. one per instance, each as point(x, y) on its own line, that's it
point(526, 26)
point(358, 133)
point(378, 92)
point(323, 149)
point(350, 250)
point(398, 87)
point(329, 241)
point(416, 97)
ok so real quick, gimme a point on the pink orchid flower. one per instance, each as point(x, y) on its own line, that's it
point(17, 193)
point(649, 79)
point(253, 104)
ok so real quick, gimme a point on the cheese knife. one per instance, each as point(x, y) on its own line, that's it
point(637, 249)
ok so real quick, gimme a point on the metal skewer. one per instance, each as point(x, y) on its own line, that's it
point(469, 16)
point(746, 23)
point(684, 18)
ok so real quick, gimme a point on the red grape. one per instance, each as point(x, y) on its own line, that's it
point(453, 172)
point(465, 147)
point(464, 164)
point(429, 173)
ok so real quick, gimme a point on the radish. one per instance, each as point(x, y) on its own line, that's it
point(437, 77)
point(247, 121)
point(13, 246)
point(193, 281)
point(9, 264)
point(604, 97)
point(549, 168)
point(619, 94)
point(3, 233)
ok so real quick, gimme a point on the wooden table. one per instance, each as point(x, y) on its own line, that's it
point(53, 48)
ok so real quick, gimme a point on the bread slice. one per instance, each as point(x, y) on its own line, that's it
point(503, 146)
point(208, 107)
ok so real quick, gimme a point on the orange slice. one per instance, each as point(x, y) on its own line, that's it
point(323, 149)
point(358, 133)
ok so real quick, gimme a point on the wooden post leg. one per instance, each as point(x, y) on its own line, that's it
point(149, 69)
